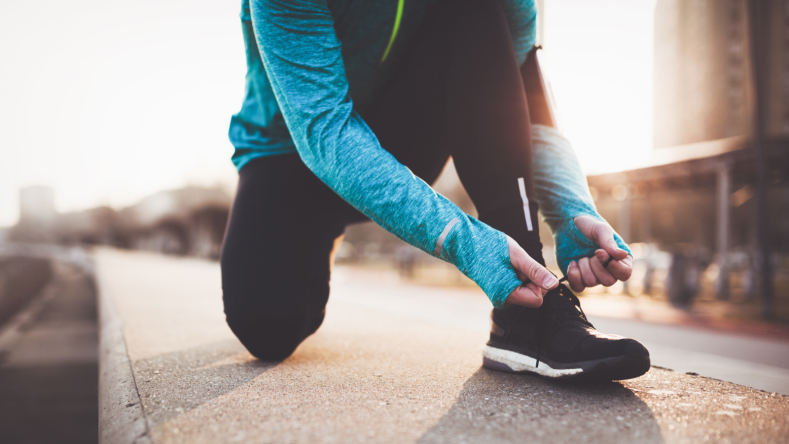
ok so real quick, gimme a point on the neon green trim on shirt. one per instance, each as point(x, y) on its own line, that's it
point(395, 29)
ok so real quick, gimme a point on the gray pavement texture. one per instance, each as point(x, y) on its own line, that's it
point(49, 367)
point(393, 363)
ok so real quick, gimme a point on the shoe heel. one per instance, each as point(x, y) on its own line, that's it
point(493, 365)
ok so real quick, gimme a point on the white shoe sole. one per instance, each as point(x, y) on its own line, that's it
point(506, 360)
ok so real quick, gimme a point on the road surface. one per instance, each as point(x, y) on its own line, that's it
point(392, 363)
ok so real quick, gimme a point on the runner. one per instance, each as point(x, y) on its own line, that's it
point(352, 108)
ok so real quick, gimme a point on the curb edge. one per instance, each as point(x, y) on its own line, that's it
point(121, 416)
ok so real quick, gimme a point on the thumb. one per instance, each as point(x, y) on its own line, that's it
point(605, 239)
point(535, 272)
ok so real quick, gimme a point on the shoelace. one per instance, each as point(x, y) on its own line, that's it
point(565, 303)
point(566, 292)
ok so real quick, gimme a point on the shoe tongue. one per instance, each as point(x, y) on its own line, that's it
point(558, 296)
point(560, 301)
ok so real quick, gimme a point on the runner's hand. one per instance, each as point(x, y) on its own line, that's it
point(531, 272)
point(589, 272)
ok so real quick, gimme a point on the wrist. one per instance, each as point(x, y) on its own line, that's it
point(482, 254)
point(495, 274)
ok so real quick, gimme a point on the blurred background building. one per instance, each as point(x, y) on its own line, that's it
point(186, 221)
point(715, 193)
point(36, 212)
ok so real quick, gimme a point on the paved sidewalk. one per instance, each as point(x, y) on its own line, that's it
point(381, 369)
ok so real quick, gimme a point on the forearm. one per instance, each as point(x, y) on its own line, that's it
point(563, 194)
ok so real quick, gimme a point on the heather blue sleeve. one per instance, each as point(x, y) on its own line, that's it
point(563, 195)
point(522, 21)
point(301, 55)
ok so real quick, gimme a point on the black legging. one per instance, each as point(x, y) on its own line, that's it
point(459, 91)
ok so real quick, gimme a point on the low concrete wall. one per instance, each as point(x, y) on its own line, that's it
point(121, 416)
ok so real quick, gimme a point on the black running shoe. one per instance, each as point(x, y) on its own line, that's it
point(557, 341)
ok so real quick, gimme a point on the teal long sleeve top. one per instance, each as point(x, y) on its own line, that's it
point(313, 65)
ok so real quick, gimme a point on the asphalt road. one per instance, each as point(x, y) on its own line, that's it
point(49, 364)
point(392, 363)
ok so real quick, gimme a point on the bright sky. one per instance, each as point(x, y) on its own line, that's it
point(598, 57)
point(110, 101)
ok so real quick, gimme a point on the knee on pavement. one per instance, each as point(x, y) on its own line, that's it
point(271, 336)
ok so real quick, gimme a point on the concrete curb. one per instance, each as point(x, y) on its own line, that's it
point(121, 416)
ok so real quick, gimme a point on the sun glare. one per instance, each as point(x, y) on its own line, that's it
point(598, 58)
